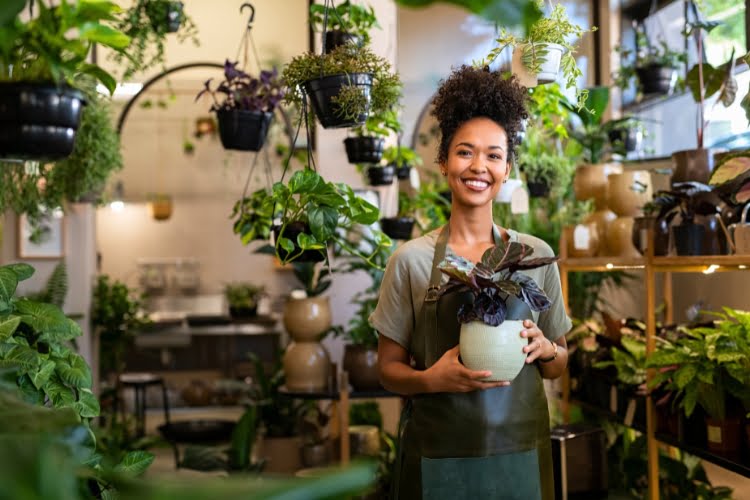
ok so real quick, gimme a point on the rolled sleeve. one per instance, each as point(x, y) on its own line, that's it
point(554, 322)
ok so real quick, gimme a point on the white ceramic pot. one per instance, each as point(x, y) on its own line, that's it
point(498, 349)
point(548, 70)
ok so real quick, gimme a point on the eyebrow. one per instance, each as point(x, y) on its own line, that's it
point(470, 145)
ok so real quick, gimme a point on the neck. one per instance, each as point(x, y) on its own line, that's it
point(471, 225)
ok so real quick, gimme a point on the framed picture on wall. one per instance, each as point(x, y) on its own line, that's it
point(44, 241)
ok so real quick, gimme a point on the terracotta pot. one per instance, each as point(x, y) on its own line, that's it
point(641, 226)
point(724, 435)
point(602, 219)
point(307, 367)
point(590, 182)
point(282, 454)
point(620, 238)
point(305, 319)
point(628, 191)
point(582, 240)
point(692, 165)
point(362, 365)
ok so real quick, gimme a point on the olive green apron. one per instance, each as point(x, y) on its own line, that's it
point(485, 444)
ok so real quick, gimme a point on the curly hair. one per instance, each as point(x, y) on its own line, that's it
point(471, 92)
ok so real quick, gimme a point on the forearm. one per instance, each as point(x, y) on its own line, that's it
point(555, 368)
point(400, 378)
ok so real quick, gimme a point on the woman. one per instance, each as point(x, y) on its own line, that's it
point(462, 437)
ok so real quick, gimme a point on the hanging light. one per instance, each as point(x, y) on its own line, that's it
point(117, 204)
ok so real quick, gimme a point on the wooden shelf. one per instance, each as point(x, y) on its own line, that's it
point(738, 463)
point(602, 264)
point(702, 263)
point(335, 395)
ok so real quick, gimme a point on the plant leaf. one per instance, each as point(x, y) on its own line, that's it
point(8, 284)
point(42, 375)
point(74, 372)
point(9, 9)
point(304, 181)
point(534, 296)
point(23, 271)
point(243, 438)
point(323, 221)
point(135, 463)
point(8, 325)
point(87, 405)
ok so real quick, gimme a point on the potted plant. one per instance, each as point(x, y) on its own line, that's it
point(246, 109)
point(539, 56)
point(654, 66)
point(344, 23)
point(543, 167)
point(243, 299)
point(361, 352)
point(147, 23)
point(403, 158)
point(498, 289)
point(344, 85)
point(254, 216)
point(625, 134)
point(381, 175)
point(369, 140)
point(40, 62)
point(707, 367)
point(315, 450)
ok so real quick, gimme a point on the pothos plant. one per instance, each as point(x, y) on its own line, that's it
point(554, 28)
point(350, 18)
point(379, 125)
point(493, 280)
point(35, 344)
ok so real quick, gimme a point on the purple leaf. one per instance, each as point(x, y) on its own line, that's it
point(533, 263)
point(534, 296)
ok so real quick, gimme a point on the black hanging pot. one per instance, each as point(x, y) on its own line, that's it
point(629, 138)
point(655, 79)
point(292, 230)
point(38, 121)
point(337, 38)
point(243, 130)
point(688, 238)
point(364, 149)
point(174, 16)
point(403, 173)
point(381, 176)
point(323, 90)
point(538, 189)
point(397, 228)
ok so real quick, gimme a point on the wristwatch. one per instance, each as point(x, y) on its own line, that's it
point(554, 355)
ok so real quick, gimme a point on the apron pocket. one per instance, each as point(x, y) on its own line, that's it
point(509, 476)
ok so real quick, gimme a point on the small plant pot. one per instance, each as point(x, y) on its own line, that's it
point(243, 130)
point(538, 189)
point(655, 79)
point(243, 312)
point(724, 436)
point(292, 230)
point(322, 91)
point(38, 121)
point(498, 349)
point(630, 138)
point(692, 165)
point(548, 70)
point(381, 176)
point(174, 16)
point(641, 225)
point(361, 363)
point(397, 228)
point(403, 173)
point(688, 239)
point(337, 38)
point(364, 149)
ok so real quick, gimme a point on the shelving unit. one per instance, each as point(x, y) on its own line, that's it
point(651, 265)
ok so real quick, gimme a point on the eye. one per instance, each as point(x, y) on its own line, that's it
point(495, 156)
point(463, 152)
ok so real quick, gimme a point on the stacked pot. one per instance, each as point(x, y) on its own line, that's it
point(307, 366)
point(627, 192)
point(590, 183)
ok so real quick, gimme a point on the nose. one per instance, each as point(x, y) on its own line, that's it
point(479, 164)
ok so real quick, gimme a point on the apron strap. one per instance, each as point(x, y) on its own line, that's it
point(429, 308)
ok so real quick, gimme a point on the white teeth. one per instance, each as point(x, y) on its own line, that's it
point(476, 184)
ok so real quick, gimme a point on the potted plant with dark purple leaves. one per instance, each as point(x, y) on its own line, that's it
point(246, 109)
point(502, 298)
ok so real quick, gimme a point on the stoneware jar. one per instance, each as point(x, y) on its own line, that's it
point(498, 349)
point(628, 191)
point(590, 182)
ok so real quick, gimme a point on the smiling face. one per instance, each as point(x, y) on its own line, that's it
point(477, 162)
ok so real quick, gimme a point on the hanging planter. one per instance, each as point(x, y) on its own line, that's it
point(243, 130)
point(656, 79)
point(364, 149)
point(381, 176)
point(337, 38)
point(291, 233)
point(161, 207)
point(246, 108)
point(547, 68)
point(403, 158)
point(330, 106)
point(174, 16)
point(398, 228)
point(403, 173)
point(346, 23)
point(538, 189)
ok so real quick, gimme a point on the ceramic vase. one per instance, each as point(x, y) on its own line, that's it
point(498, 349)
point(307, 366)
point(620, 238)
point(692, 165)
point(627, 192)
point(582, 240)
point(602, 219)
point(590, 182)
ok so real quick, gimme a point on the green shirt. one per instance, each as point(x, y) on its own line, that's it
point(407, 276)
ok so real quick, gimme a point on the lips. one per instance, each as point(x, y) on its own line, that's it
point(476, 184)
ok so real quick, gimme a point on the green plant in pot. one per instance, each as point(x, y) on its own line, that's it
point(316, 443)
point(539, 56)
point(361, 352)
point(543, 167)
point(346, 23)
point(380, 175)
point(403, 158)
point(243, 299)
point(425, 208)
point(369, 139)
point(246, 106)
point(41, 60)
point(344, 85)
point(254, 217)
point(708, 367)
point(590, 132)
point(688, 200)
point(147, 23)
point(653, 66)
point(503, 298)
point(630, 362)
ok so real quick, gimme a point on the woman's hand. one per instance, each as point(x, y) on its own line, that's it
point(449, 375)
point(539, 346)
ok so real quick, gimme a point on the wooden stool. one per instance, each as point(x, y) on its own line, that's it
point(140, 382)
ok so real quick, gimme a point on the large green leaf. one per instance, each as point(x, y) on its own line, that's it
point(47, 319)
point(304, 181)
point(685, 375)
point(323, 222)
point(712, 80)
point(8, 325)
point(60, 394)
point(135, 463)
point(104, 77)
point(243, 438)
point(9, 10)
point(23, 271)
point(43, 373)
point(104, 35)
point(23, 356)
point(8, 284)
point(74, 371)
point(87, 405)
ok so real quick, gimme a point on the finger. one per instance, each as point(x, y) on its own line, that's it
point(534, 345)
point(527, 323)
point(476, 375)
